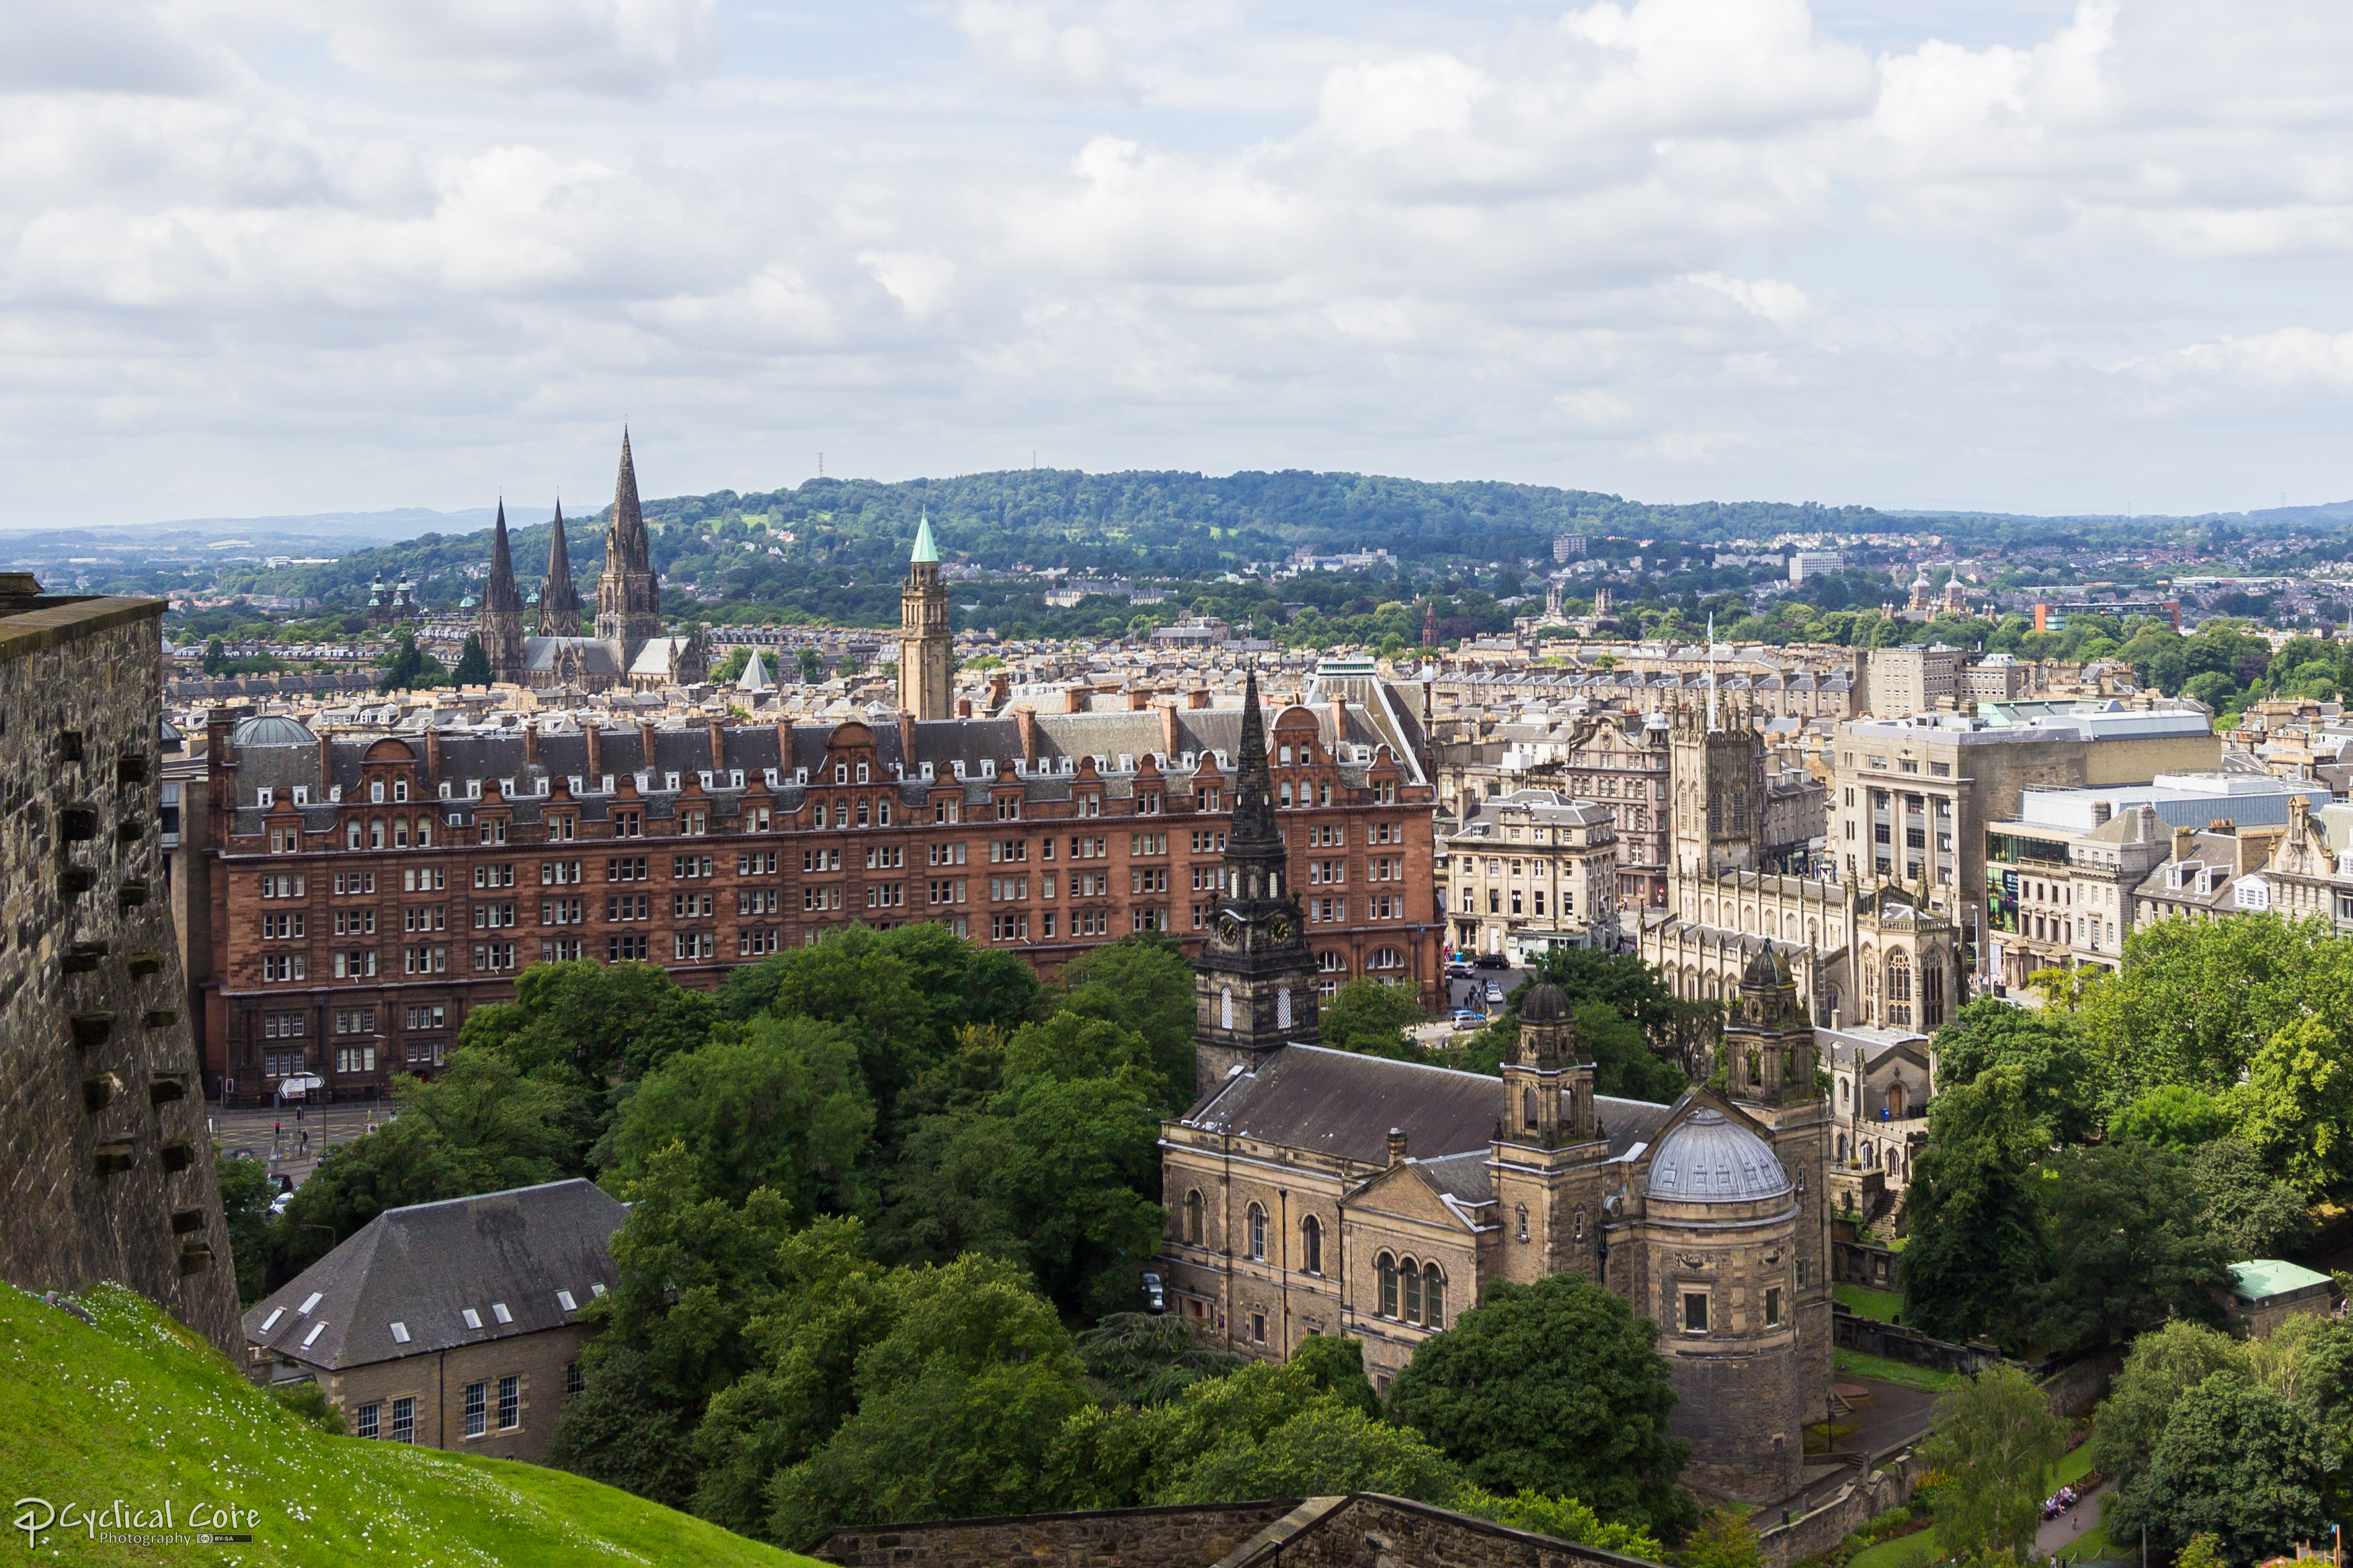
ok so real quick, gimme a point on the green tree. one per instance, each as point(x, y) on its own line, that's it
point(1370, 1017)
point(782, 1107)
point(1142, 1358)
point(409, 668)
point(603, 1021)
point(2247, 1212)
point(474, 664)
point(2056, 1070)
point(2294, 1106)
point(215, 660)
point(811, 664)
point(1723, 1538)
point(2125, 1251)
point(2237, 1461)
point(1336, 1364)
point(730, 670)
point(1973, 1211)
point(1327, 1449)
point(1996, 1441)
point(694, 1274)
point(2162, 1365)
point(2175, 1115)
point(1554, 1387)
point(958, 1406)
point(1145, 984)
point(1563, 1519)
point(246, 1197)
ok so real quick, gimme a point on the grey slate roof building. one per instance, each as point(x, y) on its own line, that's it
point(438, 1277)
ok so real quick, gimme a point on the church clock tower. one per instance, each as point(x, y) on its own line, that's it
point(1254, 984)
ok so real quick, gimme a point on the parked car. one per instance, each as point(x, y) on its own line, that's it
point(1493, 960)
point(1155, 1300)
point(1469, 1018)
point(1495, 992)
point(278, 1204)
point(1458, 970)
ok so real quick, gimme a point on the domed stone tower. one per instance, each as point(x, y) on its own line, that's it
point(1718, 1231)
point(1548, 1147)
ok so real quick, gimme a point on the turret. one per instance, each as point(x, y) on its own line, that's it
point(559, 602)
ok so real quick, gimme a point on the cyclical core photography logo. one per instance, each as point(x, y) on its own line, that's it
point(117, 1522)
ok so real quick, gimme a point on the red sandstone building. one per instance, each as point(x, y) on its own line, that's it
point(365, 892)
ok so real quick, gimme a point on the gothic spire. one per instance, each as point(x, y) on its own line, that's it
point(559, 601)
point(624, 542)
point(502, 595)
point(1253, 786)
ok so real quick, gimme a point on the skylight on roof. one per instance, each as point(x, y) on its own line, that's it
point(564, 1299)
point(473, 1318)
point(308, 1302)
point(312, 1337)
point(499, 1311)
point(270, 1321)
point(597, 1289)
point(399, 1334)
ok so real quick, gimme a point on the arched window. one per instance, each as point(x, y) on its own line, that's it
point(1193, 1217)
point(1283, 1009)
point(1330, 963)
point(1310, 1244)
point(1225, 1009)
point(1579, 1230)
point(1387, 958)
point(1257, 1234)
point(1387, 1267)
point(1841, 1147)
point(1899, 988)
point(1412, 1279)
point(1524, 1222)
point(1528, 1108)
point(1931, 993)
point(1433, 1296)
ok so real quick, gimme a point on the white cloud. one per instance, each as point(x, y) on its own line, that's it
point(1616, 246)
point(1021, 43)
point(624, 47)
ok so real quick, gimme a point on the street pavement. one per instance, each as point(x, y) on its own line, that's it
point(276, 1136)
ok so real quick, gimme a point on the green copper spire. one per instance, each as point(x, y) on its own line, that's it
point(924, 549)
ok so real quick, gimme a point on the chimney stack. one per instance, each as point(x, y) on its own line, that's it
point(718, 753)
point(595, 738)
point(531, 742)
point(1396, 1146)
point(432, 758)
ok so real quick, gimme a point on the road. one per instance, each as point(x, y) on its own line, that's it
point(276, 1136)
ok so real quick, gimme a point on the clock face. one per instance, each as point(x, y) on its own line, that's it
point(1280, 929)
point(1229, 931)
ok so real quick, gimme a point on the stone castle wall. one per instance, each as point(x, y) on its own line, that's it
point(106, 1164)
point(1118, 1537)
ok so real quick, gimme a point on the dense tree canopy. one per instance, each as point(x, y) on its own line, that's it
point(1555, 1388)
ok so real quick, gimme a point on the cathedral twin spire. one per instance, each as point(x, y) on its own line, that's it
point(628, 606)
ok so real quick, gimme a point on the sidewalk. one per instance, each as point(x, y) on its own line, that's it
point(2058, 1534)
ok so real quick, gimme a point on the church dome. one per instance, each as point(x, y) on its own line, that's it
point(272, 730)
point(1546, 1003)
point(1709, 1159)
point(1766, 970)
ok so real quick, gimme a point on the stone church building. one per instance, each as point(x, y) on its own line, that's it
point(629, 649)
point(1317, 1191)
point(1880, 953)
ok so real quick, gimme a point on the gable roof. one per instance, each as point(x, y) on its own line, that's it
point(424, 1267)
point(1324, 1101)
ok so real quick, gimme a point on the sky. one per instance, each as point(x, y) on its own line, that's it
point(267, 256)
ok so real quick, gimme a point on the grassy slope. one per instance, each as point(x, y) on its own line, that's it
point(1866, 1302)
point(139, 1409)
point(1856, 1363)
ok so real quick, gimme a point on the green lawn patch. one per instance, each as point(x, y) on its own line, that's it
point(2074, 1467)
point(1920, 1547)
point(1865, 1302)
point(2092, 1544)
point(1858, 1364)
point(137, 1408)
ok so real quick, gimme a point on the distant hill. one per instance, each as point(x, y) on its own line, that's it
point(138, 1409)
point(858, 531)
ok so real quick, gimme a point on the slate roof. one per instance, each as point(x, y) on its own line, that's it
point(425, 1266)
point(1320, 1100)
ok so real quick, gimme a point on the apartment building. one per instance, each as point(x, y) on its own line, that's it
point(366, 891)
point(1907, 680)
point(1617, 762)
point(1913, 799)
point(1531, 870)
point(2064, 878)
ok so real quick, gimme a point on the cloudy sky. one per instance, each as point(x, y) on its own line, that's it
point(288, 255)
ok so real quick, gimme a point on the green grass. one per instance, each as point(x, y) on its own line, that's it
point(1858, 1364)
point(139, 1409)
point(1865, 1302)
point(1917, 1547)
point(2074, 1467)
